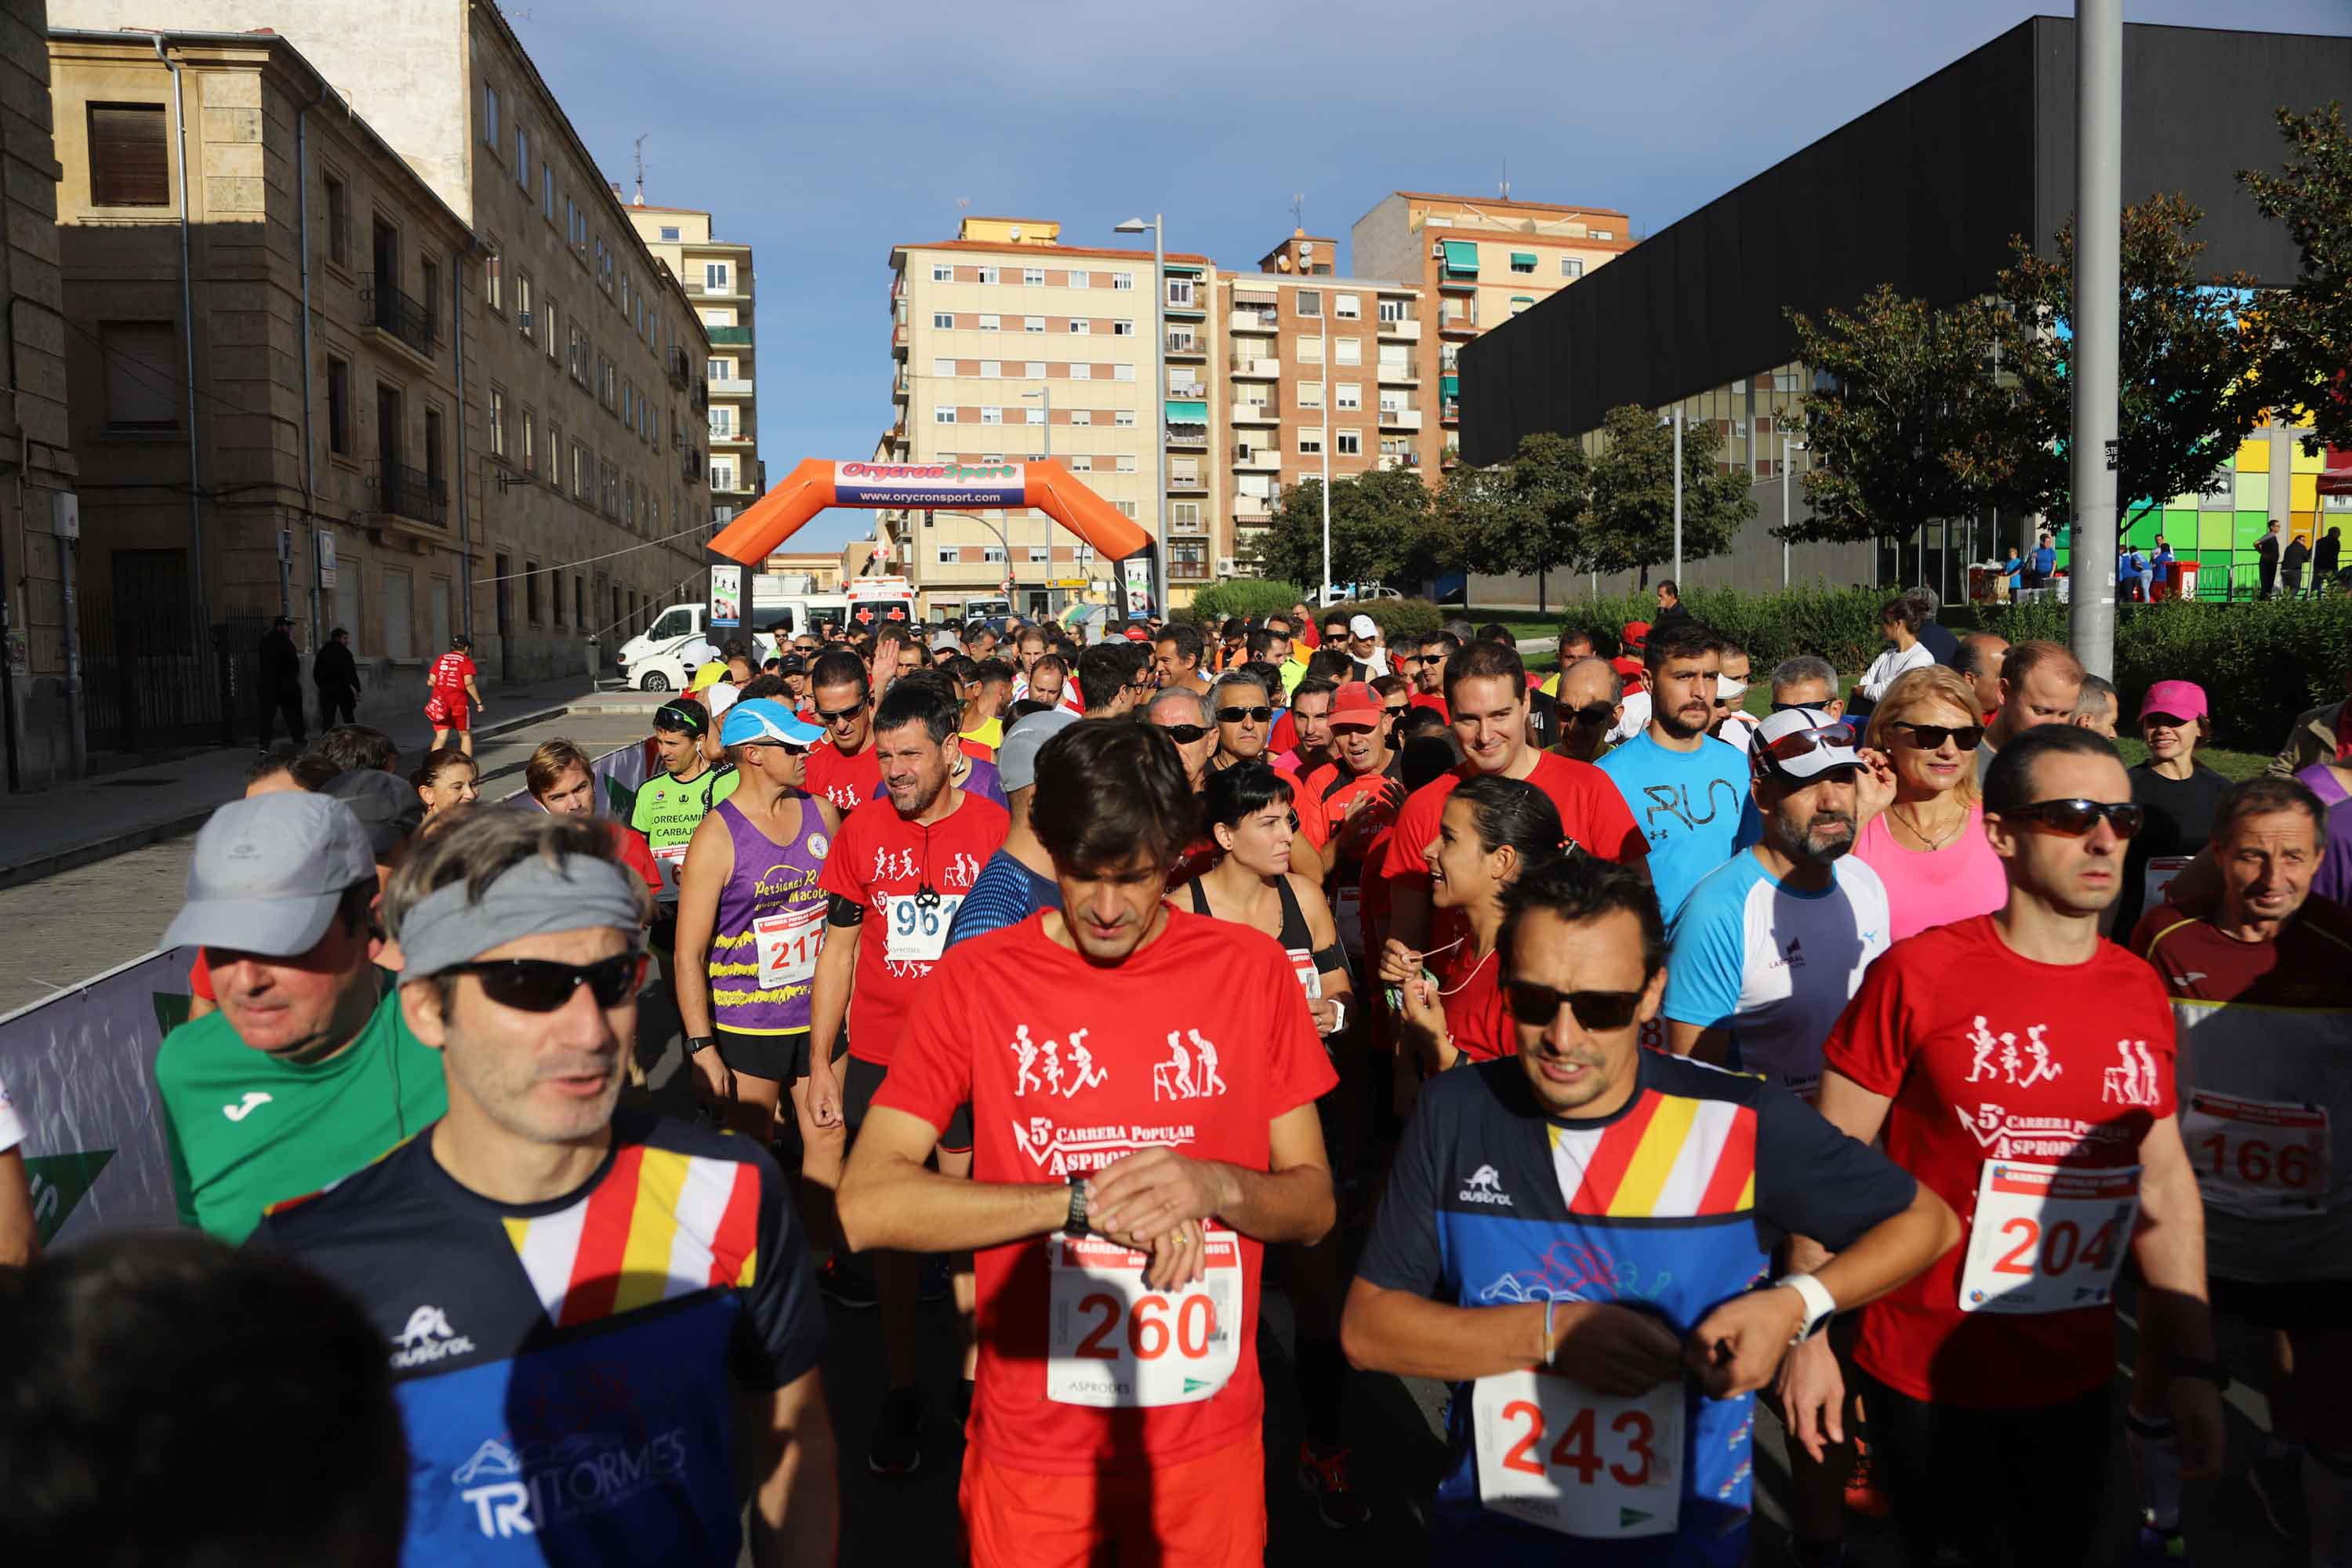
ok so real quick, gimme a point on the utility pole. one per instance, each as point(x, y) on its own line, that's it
point(1678, 500)
point(2098, 288)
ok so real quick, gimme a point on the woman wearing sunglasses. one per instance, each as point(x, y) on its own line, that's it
point(1922, 822)
point(750, 921)
point(1450, 1001)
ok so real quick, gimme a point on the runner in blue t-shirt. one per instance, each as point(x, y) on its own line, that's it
point(1571, 1237)
point(1687, 791)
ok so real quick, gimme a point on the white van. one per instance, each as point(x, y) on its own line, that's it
point(656, 660)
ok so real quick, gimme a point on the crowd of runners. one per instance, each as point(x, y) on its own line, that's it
point(1627, 1060)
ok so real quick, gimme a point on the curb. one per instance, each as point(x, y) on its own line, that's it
point(90, 852)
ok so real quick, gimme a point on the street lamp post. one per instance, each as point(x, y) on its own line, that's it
point(1785, 447)
point(1158, 400)
point(1676, 419)
point(1046, 395)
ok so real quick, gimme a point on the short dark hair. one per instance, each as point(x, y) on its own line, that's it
point(1185, 636)
point(1968, 656)
point(1668, 584)
point(1267, 676)
point(1332, 664)
point(1580, 887)
point(839, 666)
point(961, 668)
point(1242, 790)
point(1391, 684)
point(354, 747)
point(1233, 627)
point(1052, 661)
point(280, 761)
point(924, 697)
point(1570, 635)
point(1107, 666)
point(991, 671)
point(1260, 642)
point(2265, 794)
point(144, 1370)
point(1678, 640)
point(2009, 782)
point(765, 686)
point(1513, 812)
point(1446, 641)
point(680, 715)
point(444, 757)
point(1106, 789)
point(1494, 631)
point(1485, 661)
point(1902, 610)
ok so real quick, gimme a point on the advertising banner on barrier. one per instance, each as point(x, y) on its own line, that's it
point(80, 1071)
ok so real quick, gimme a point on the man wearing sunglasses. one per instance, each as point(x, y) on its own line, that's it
point(532, 1246)
point(306, 1070)
point(843, 768)
point(1573, 1236)
point(1244, 710)
point(1687, 790)
point(1588, 699)
point(1188, 719)
point(2023, 1069)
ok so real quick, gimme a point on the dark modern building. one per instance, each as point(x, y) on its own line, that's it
point(1923, 193)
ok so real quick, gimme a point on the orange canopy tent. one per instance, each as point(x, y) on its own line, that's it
point(815, 484)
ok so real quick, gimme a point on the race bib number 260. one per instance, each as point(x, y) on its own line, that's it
point(1114, 1343)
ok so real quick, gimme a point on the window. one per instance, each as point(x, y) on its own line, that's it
point(1605, 234)
point(1180, 292)
point(723, 474)
point(339, 407)
point(1032, 323)
point(1126, 509)
point(529, 442)
point(1123, 418)
point(522, 156)
point(947, 554)
point(1348, 394)
point(1393, 310)
point(1352, 443)
point(1034, 369)
point(1032, 417)
point(1122, 279)
point(1122, 372)
point(530, 591)
point(1347, 306)
point(991, 323)
point(992, 370)
point(716, 275)
point(1307, 301)
point(577, 221)
point(988, 275)
point(1082, 371)
point(942, 273)
point(1570, 267)
point(493, 280)
point(1520, 303)
point(1127, 462)
point(943, 321)
point(1039, 553)
point(130, 162)
point(1310, 350)
point(1310, 395)
point(992, 553)
point(555, 594)
point(498, 422)
point(556, 454)
point(1310, 443)
point(1032, 277)
point(142, 375)
point(943, 416)
point(579, 471)
point(991, 416)
point(722, 422)
point(1082, 417)
point(523, 320)
point(1080, 464)
point(1522, 263)
point(547, 191)
point(944, 367)
point(669, 232)
point(490, 119)
point(338, 222)
point(1122, 328)
point(1080, 326)
point(1350, 351)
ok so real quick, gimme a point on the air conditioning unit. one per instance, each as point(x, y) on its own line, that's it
point(1226, 567)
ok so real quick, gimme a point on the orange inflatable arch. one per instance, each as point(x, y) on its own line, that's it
point(816, 484)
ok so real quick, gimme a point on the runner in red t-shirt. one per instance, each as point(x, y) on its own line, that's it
point(1142, 1082)
point(448, 687)
point(897, 873)
point(1352, 798)
point(2023, 1069)
point(841, 767)
point(1486, 686)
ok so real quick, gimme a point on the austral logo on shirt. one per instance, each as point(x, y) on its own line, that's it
point(427, 1338)
point(1485, 1186)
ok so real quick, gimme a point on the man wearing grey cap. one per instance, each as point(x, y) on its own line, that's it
point(602, 1329)
point(307, 1071)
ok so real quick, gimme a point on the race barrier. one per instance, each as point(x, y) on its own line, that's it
point(81, 1069)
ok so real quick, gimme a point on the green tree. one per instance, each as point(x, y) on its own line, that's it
point(1383, 529)
point(1630, 518)
point(2308, 327)
point(1913, 422)
point(2185, 362)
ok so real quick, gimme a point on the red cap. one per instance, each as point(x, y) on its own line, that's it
point(1136, 634)
point(1357, 702)
point(1636, 633)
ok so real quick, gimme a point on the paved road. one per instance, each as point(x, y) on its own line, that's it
point(64, 929)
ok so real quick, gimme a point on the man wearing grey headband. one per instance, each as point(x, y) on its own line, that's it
point(533, 1245)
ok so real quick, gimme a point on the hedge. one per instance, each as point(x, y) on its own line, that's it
point(1241, 596)
point(1839, 625)
point(1399, 617)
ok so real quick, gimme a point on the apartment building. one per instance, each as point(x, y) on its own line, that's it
point(1325, 375)
point(578, 448)
point(1480, 261)
point(281, 439)
point(719, 281)
point(1008, 344)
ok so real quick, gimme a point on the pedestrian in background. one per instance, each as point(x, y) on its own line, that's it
point(336, 674)
point(2266, 561)
point(2325, 558)
point(280, 688)
point(2292, 562)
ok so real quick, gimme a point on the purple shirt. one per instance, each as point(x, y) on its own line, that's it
point(2334, 880)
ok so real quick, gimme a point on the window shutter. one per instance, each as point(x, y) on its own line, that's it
point(130, 164)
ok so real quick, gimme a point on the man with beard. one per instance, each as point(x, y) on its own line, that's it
point(1687, 791)
point(1770, 945)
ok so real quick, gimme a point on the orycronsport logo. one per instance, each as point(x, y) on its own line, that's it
point(915, 473)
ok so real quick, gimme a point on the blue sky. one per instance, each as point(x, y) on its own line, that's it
point(822, 134)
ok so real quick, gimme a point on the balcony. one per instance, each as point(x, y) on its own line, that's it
point(680, 373)
point(1399, 375)
point(698, 397)
point(730, 438)
point(740, 337)
point(411, 495)
point(1189, 392)
point(900, 384)
point(407, 321)
point(898, 337)
point(1189, 435)
point(1254, 413)
point(1400, 418)
point(1453, 281)
point(689, 463)
point(1187, 484)
point(1249, 320)
point(1196, 306)
point(1399, 461)
point(1457, 327)
point(1184, 345)
point(730, 387)
point(1402, 329)
point(1450, 414)
point(1253, 511)
point(1265, 369)
point(1260, 460)
point(737, 290)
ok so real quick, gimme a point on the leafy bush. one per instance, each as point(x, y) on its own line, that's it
point(1399, 617)
point(1839, 625)
point(1241, 596)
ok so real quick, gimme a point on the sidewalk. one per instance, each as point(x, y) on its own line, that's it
point(46, 831)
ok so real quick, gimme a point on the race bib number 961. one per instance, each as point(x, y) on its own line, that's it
point(917, 925)
point(1114, 1345)
point(1554, 1453)
point(2047, 1239)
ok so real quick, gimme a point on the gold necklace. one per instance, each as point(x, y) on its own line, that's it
point(1912, 822)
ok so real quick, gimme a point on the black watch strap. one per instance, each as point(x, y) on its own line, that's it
point(698, 1043)
point(2212, 1372)
point(1076, 1225)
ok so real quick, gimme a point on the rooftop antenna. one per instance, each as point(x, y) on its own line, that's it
point(640, 145)
point(1298, 211)
point(1506, 177)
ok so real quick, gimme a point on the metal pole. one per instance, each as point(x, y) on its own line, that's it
point(1159, 412)
point(1325, 589)
point(1784, 514)
point(2098, 288)
point(1678, 500)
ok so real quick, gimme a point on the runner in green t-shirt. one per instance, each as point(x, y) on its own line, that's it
point(307, 1072)
point(675, 800)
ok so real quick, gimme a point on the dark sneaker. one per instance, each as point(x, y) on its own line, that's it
point(897, 1448)
point(1324, 1477)
point(845, 1284)
point(2277, 1480)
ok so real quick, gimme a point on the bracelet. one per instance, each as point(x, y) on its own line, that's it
point(1549, 1343)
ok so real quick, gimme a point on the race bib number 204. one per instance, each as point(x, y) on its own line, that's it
point(2047, 1239)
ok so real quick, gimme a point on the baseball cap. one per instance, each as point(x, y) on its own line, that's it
point(2182, 698)
point(1805, 744)
point(1356, 702)
point(1016, 759)
point(720, 698)
point(1363, 626)
point(709, 674)
point(388, 808)
point(1136, 634)
point(947, 642)
point(268, 871)
point(765, 719)
point(1636, 633)
point(792, 663)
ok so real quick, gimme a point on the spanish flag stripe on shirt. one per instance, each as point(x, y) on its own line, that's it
point(603, 1235)
point(655, 1225)
point(1731, 1186)
point(735, 1248)
point(547, 1247)
point(1654, 1158)
point(1606, 1157)
point(1670, 1157)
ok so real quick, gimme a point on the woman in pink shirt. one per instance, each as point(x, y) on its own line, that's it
point(1922, 824)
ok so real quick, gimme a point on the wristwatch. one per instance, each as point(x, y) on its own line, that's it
point(1076, 1225)
point(698, 1043)
point(1338, 1015)
point(1820, 1305)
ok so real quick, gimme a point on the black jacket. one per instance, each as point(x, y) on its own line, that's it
point(2324, 554)
point(281, 662)
point(334, 670)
